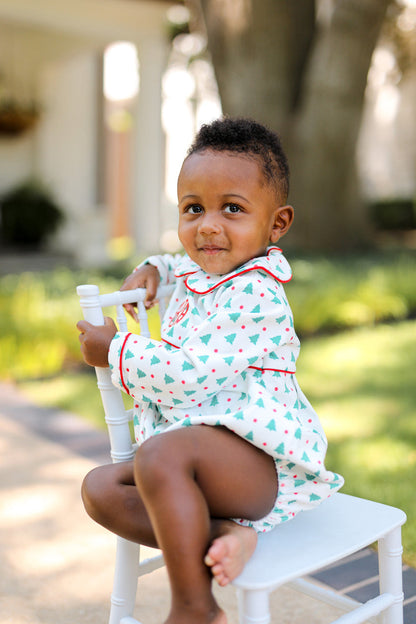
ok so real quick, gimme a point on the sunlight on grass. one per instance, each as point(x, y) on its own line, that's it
point(362, 384)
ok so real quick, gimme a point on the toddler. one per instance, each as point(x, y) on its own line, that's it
point(229, 446)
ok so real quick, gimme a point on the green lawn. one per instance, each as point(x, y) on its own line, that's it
point(361, 382)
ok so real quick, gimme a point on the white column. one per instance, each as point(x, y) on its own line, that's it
point(148, 146)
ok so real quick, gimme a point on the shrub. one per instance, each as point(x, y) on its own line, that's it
point(29, 215)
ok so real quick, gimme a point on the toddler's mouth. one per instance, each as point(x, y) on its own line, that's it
point(211, 249)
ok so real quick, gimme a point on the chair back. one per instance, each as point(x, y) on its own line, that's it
point(116, 415)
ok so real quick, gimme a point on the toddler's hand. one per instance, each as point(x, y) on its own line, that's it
point(146, 277)
point(95, 341)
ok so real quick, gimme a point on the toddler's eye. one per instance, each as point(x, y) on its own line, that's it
point(232, 208)
point(193, 209)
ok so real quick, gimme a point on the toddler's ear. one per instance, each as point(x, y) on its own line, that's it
point(283, 218)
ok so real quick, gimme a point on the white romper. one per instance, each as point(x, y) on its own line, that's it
point(227, 356)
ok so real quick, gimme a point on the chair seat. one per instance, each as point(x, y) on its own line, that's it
point(296, 548)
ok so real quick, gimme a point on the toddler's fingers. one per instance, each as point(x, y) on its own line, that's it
point(130, 309)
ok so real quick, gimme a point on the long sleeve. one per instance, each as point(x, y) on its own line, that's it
point(199, 358)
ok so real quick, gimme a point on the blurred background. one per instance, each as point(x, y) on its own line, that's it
point(99, 100)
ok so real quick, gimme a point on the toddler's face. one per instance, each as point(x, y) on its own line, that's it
point(228, 212)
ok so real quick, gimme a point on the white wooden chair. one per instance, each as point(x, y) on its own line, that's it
point(337, 528)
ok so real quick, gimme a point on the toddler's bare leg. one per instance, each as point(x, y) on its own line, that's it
point(185, 478)
point(111, 498)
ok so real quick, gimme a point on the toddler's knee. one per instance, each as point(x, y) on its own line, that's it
point(92, 492)
point(152, 465)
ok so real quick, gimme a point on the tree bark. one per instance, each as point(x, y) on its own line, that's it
point(330, 214)
point(306, 80)
point(259, 49)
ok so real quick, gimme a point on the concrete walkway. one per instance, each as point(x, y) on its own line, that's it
point(56, 564)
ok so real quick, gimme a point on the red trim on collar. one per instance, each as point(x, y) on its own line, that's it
point(234, 274)
point(253, 268)
point(121, 363)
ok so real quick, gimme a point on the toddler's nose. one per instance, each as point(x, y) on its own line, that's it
point(209, 224)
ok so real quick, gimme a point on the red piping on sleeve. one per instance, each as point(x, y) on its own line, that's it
point(121, 363)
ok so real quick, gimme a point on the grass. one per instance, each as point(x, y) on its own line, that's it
point(362, 384)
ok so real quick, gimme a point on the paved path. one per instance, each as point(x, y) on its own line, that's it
point(57, 565)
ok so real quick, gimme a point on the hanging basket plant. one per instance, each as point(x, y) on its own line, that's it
point(16, 119)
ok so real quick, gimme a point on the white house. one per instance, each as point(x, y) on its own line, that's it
point(109, 182)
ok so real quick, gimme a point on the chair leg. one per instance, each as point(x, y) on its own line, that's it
point(125, 580)
point(253, 606)
point(391, 575)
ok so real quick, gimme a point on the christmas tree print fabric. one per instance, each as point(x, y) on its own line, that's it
point(227, 357)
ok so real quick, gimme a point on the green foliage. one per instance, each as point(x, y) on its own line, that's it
point(394, 214)
point(334, 294)
point(362, 385)
point(38, 316)
point(29, 214)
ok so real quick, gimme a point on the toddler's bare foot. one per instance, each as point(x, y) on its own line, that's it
point(230, 551)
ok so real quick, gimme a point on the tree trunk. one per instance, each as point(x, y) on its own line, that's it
point(258, 49)
point(307, 81)
point(330, 214)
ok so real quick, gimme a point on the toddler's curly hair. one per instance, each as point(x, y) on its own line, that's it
point(253, 139)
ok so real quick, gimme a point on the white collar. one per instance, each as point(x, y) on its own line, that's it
point(196, 280)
